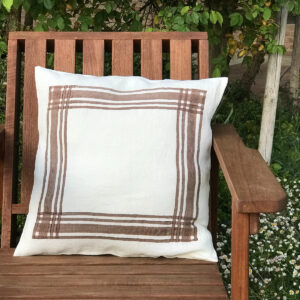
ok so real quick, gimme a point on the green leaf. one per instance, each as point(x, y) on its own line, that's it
point(236, 19)
point(26, 5)
point(213, 17)
point(184, 10)
point(60, 23)
point(100, 17)
point(149, 29)
point(7, 4)
point(195, 18)
point(197, 8)
point(108, 7)
point(216, 72)
point(220, 18)
point(38, 27)
point(276, 167)
point(203, 18)
point(267, 13)
point(49, 4)
point(3, 47)
point(17, 3)
point(84, 27)
point(179, 20)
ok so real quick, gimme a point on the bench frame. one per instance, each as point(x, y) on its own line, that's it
point(253, 187)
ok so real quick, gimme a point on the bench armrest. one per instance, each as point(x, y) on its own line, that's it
point(253, 186)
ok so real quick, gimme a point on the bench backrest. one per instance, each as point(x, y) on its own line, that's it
point(29, 49)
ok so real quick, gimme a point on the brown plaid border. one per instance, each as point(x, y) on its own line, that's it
point(53, 223)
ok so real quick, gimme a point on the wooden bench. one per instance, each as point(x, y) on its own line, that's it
point(253, 187)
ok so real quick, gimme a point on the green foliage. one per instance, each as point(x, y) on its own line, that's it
point(256, 19)
point(7, 4)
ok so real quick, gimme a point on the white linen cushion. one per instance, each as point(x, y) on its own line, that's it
point(122, 166)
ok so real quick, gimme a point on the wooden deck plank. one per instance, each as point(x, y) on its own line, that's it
point(106, 269)
point(119, 292)
point(108, 35)
point(93, 57)
point(64, 56)
point(106, 280)
point(151, 59)
point(203, 59)
point(11, 137)
point(122, 57)
point(180, 59)
point(35, 55)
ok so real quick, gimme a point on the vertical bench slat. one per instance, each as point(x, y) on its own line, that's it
point(180, 59)
point(151, 59)
point(203, 59)
point(64, 55)
point(35, 55)
point(11, 132)
point(122, 57)
point(93, 57)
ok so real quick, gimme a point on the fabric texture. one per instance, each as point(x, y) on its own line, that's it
point(122, 166)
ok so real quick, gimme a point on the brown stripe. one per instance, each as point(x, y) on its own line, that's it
point(132, 97)
point(69, 92)
point(191, 131)
point(186, 106)
point(177, 169)
point(53, 161)
point(182, 168)
point(130, 108)
point(130, 230)
point(131, 91)
point(106, 214)
point(48, 219)
point(60, 151)
point(46, 154)
point(114, 238)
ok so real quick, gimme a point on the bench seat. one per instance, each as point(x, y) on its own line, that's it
point(107, 277)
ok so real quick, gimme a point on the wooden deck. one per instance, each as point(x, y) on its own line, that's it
point(107, 277)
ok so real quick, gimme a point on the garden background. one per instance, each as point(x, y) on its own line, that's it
point(241, 34)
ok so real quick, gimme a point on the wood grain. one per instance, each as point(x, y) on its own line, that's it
point(250, 181)
point(98, 277)
point(64, 55)
point(213, 197)
point(35, 55)
point(93, 57)
point(239, 254)
point(15, 270)
point(86, 260)
point(180, 59)
point(108, 35)
point(151, 59)
point(254, 223)
point(11, 138)
point(122, 57)
point(112, 280)
point(203, 55)
point(116, 292)
point(2, 145)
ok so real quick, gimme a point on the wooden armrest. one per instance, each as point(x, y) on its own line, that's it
point(253, 186)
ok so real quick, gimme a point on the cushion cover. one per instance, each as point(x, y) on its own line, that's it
point(122, 166)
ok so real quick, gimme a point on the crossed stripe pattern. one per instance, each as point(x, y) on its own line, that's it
point(54, 223)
